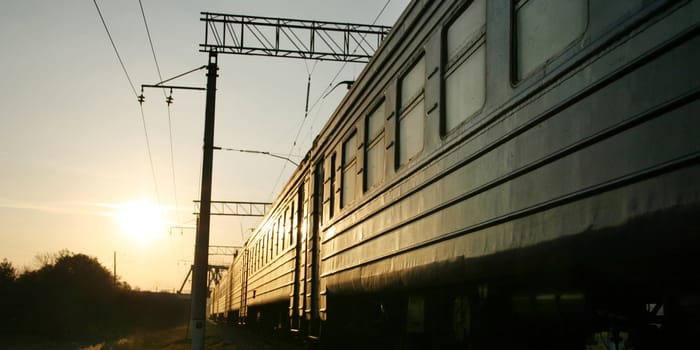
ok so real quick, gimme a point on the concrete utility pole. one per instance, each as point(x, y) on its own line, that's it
point(201, 248)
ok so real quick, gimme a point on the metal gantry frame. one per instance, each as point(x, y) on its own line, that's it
point(214, 274)
point(215, 271)
point(287, 37)
point(230, 208)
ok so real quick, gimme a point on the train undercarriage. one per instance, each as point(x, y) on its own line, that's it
point(593, 291)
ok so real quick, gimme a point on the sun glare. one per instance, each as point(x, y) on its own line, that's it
point(141, 221)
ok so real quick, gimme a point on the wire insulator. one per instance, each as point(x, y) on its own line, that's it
point(170, 98)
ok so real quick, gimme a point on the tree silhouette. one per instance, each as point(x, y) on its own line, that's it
point(72, 296)
point(8, 274)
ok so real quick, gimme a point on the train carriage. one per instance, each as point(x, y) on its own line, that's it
point(502, 173)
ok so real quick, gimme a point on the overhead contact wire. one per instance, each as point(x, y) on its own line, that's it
point(321, 97)
point(330, 85)
point(325, 92)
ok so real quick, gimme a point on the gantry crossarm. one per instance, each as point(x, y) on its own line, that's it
point(284, 37)
point(230, 208)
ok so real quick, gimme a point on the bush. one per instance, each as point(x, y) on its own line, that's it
point(72, 296)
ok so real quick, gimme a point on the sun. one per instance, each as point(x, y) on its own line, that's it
point(141, 221)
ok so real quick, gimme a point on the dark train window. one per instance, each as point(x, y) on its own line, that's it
point(263, 251)
point(257, 256)
point(283, 233)
point(465, 58)
point(374, 147)
point(290, 227)
point(543, 28)
point(265, 248)
point(270, 244)
point(331, 200)
point(412, 113)
point(279, 236)
point(349, 172)
point(319, 191)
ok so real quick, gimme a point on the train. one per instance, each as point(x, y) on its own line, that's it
point(501, 174)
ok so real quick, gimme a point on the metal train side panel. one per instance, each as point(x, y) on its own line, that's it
point(594, 143)
point(578, 175)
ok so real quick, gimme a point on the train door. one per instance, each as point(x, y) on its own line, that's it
point(243, 310)
point(313, 242)
point(296, 311)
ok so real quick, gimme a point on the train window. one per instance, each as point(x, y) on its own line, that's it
point(319, 188)
point(279, 235)
point(465, 75)
point(270, 245)
point(257, 256)
point(347, 192)
point(267, 247)
point(271, 241)
point(411, 133)
point(412, 115)
point(261, 252)
point(283, 233)
point(412, 83)
point(276, 238)
point(374, 147)
point(331, 200)
point(465, 30)
point(544, 28)
point(290, 226)
point(264, 247)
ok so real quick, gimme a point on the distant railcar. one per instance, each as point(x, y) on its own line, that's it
point(501, 174)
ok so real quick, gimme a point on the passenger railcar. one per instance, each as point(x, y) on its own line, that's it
point(501, 174)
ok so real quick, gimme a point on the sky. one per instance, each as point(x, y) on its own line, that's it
point(75, 170)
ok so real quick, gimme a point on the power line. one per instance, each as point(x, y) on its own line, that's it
point(275, 155)
point(168, 99)
point(323, 95)
point(133, 89)
point(330, 85)
point(150, 157)
point(172, 162)
point(150, 41)
point(115, 48)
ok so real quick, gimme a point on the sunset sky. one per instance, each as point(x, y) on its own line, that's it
point(74, 164)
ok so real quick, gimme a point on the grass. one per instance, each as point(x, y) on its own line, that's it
point(170, 339)
point(218, 337)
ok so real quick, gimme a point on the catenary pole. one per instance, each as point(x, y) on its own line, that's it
point(201, 249)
